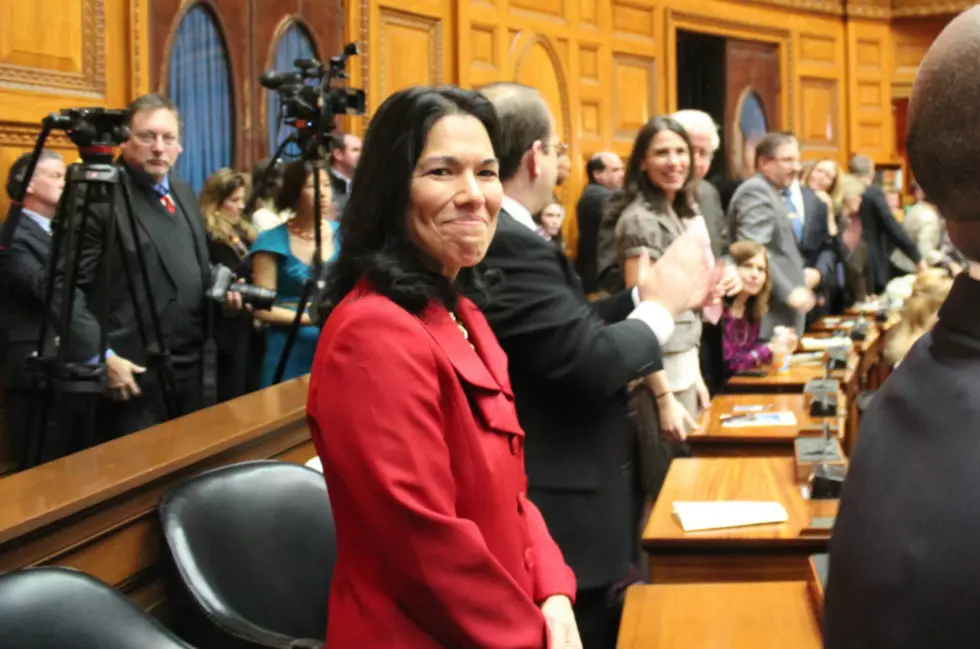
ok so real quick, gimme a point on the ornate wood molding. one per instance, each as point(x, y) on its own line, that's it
point(918, 8)
point(89, 81)
point(833, 7)
point(868, 8)
point(23, 135)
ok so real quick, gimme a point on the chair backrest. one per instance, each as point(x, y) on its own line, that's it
point(254, 545)
point(52, 608)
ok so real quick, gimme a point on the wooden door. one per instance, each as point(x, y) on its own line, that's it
point(752, 90)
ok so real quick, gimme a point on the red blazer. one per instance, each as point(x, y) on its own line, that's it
point(438, 545)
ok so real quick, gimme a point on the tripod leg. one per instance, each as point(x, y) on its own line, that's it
point(166, 371)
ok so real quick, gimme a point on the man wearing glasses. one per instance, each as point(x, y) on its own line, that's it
point(762, 210)
point(173, 244)
point(570, 362)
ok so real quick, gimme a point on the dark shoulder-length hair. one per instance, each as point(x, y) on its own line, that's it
point(373, 228)
point(637, 182)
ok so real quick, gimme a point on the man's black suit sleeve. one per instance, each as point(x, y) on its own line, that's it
point(615, 308)
point(551, 334)
point(879, 205)
point(23, 266)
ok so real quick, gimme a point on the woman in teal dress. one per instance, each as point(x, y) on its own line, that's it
point(282, 259)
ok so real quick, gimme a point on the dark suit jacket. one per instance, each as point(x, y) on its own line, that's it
point(339, 186)
point(20, 305)
point(883, 234)
point(818, 248)
point(709, 204)
point(904, 550)
point(569, 367)
point(161, 256)
point(589, 213)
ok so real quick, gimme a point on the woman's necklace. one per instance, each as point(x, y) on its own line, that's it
point(462, 328)
point(301, 234)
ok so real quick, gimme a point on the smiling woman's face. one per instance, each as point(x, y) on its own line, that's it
point(455, 195)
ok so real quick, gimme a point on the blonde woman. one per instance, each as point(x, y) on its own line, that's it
point(824, 178)
point(919, 313)
point(230, 237)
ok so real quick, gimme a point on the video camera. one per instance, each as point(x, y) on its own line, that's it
point(95, 131)
point(312, 108)
point(224, 280)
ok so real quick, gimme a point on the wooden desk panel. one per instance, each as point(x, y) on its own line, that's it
point(790, 381)
point(762, 552)
point(734, 616)
point(97, 510)
point(714, 440)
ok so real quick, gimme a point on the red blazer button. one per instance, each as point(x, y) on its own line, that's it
point(529, 559)
point(515, 444)
point(520, 504)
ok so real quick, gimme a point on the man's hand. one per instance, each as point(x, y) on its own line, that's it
point(682, 277)
point(801, 299)
point(122, 383)
point(811, 277)
point(560, 617)
point(921, 266)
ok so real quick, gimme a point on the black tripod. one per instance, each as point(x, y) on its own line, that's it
point(94, 185)
point(315, 281)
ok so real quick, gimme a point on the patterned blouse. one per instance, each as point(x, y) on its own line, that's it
point(740, 344)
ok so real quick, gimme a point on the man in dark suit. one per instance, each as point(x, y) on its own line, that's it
point(817, 246)
point(570, 362)
point(904, 550)
point(345, 153)
point(762, 211)
point(172, 241)
point(605, 172)
point(882, 232)
point(21, 310)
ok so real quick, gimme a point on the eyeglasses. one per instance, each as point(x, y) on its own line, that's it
point(560, 148)
point(149, 137)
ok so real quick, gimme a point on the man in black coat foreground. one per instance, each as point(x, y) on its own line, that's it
point(904, 555)
point(570, 362)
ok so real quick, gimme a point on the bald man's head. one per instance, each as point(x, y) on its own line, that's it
point(524, 118)
point(944, 116)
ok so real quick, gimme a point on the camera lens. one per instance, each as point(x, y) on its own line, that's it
point(256, 296)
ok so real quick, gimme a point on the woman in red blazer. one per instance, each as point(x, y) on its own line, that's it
point(411, 408)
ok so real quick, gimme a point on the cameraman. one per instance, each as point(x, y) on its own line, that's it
point(174, 246)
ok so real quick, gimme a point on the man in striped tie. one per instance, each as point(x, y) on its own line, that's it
point(171, 240)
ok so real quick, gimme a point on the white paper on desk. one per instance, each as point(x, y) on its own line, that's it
point(758, 419)
point(715, 515)
point(806, 358)
point(818, 344)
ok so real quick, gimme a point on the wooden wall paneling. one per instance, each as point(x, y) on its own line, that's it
point(64, 54)
point(911, 40)
point(822, 107)
point(869, 75)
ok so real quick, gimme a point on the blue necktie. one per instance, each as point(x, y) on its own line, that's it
point(794, 215)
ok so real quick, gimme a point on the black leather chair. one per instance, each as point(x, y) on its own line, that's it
point(57, 608)
point(253, 549)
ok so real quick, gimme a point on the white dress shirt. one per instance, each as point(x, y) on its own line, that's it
point(652, 314)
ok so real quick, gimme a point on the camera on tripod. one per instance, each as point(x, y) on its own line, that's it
point(94, 131)
point(224, 280)
point(312, 108)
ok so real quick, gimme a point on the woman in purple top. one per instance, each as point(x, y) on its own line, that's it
point(743, 316)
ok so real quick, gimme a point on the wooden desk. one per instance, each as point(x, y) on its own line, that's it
point(790, 381)
point(758, 553)
point(714, 440)
point(757, 615)
point(97, 510)
point(818, 570)
point(835, 323)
